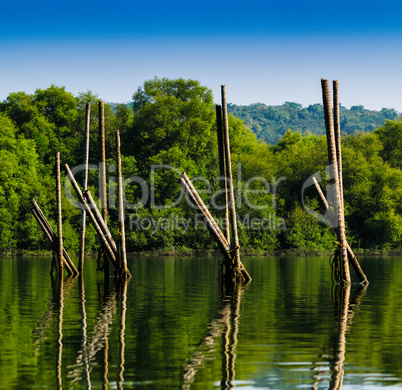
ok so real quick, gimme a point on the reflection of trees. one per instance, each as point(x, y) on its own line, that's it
point(345, 309)
point(226, 327)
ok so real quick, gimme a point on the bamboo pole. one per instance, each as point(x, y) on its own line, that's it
point(212, 226)
point(53, 235)
point(204, 210)
point(101, 222)
point(102, 176)
point(53, 242)
point(337, 129)
point(98, 229)
point(332, 154)
point(355, 263)
point(84, 187)
point(232, 206)
point(217, 234)
point(59, 216)
point(222, 173)
point(123, 256)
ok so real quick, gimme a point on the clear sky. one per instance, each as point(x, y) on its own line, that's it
point(264, 51)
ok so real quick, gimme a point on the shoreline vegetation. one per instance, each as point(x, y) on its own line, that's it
point(187, 252)
point(170, 128)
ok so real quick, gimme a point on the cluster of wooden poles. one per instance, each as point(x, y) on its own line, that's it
point(227, 237)
point(111, 252)
point(228, 243)
point(332, 125)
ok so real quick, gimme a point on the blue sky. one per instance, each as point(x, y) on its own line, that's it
point(264, 51)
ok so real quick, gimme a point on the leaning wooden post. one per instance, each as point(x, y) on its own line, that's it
point(67, 266)
point(98, 229)
point(59, 220)
point(355, 263)
point(333, 163)
point(84, 188)
point(123, 257)
point(222, 173)
point(232, 206)
point(102, 176)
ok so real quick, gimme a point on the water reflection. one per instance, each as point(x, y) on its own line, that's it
point(224, 327)
point(90, 343)
point(345, 308)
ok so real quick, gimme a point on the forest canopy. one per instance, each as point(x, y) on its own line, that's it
point(170, 127)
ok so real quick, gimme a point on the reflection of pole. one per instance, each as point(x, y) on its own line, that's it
point(97, 340)
point(340, 342)
point(122, 331)
point(60, 334)
point(235, 310)
point(225, 326)
point(84, 345)
point(344, 321)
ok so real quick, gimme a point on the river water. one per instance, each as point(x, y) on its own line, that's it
point(173, 326)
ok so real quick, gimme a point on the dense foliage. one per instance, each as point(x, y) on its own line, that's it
point(271, 122)
point(169, 128)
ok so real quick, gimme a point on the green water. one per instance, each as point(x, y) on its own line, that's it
point(173, 326)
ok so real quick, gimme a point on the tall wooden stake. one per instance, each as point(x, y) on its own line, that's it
point(84, 188)
point(333, 162)
point(232, 206)
point(102, 177)
point(59, 220)
point(123, 257)
point(337, 128)
point(222, 173)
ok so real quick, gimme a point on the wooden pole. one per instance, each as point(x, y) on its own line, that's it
point(59, 216)
point(101, 222)
point(98, 229)
point(232, 206)
point(332, 154)
point(102, 175)
point(212, 226)
point(337, 129)
point(55, 240)
point(123, 256)
point(355, 263)
point(84, 187)
point(222, 173)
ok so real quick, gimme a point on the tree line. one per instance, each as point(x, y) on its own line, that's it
point(270, 123)
point(170, 127)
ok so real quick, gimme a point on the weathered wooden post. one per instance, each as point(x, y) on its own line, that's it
point(355, 263)
point(124, 272)
point(337, 129)
point(99, 231)
point(59, 217)
point(84, 188)
point(333, 165)
point(51, 235)
point(102, 177)
point(222, 173)
point(232, 204)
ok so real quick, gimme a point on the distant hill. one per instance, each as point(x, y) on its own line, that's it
point(269, 123)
